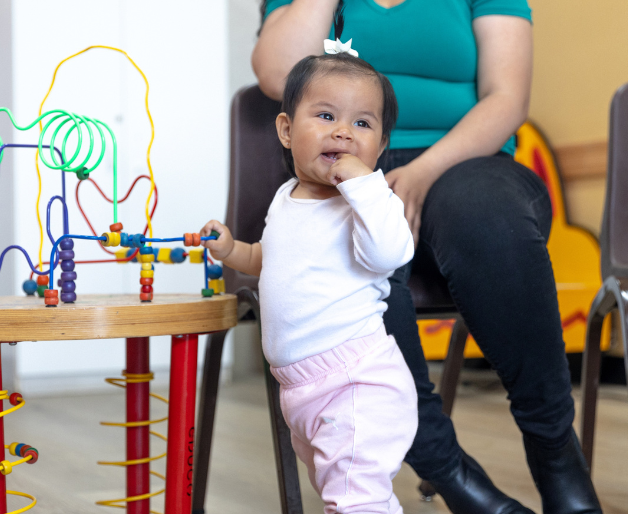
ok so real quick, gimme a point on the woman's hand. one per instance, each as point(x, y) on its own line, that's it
point(219, 248)
point(411, 185)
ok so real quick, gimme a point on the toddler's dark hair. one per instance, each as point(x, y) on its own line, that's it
point(301, 76)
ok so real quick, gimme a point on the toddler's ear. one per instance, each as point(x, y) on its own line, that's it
point(283, 129)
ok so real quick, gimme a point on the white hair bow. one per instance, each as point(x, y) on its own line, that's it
point(336, 47)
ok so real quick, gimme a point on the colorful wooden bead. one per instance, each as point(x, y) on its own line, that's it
point(112, 239)
point(121, 255)
point(124, 239)
point(81, 175)
point(29, 287)
point(15, 398)
point(42, 280)
point(147, 250)
point(196, 256)
point(207, 293)
point(68, 287)
point(116, 227)
point(51, 302)
point(214, 271)
point(40, 291)
point(136, 241)
point(68, 297)
point(147, 258)
point(217, 284)
point(188, 239)
point(196, 239)
point(147, 266)
point(146, 281)
point(147, 273)
point(66, 244)
point(66, 255)
point(147, 289)
point(146, 297)
point(68, 275)
point(177, 255)
point(164, 256)
point(215, 234)
point(51, 293)
point(67, 265)
point(32, 453)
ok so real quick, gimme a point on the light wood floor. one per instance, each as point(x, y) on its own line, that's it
point(70, 441)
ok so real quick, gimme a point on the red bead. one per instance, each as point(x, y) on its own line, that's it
point(146, 297)
point(196, 239)
point(188, 239)
point(15, 398)
point(51, 293)
point(51, 301)
point(42, 280)
point(116, 227)
point(33, 453)
point(145, 281)
point(24, 449)
point(147, 289)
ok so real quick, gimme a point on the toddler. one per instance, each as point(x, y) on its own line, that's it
point(334, 234)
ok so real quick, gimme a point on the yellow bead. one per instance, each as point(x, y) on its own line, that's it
point(147, 273)
point(150, 257)
point(12, 448)
point(147, 266)
point(6, 467)
point(217, 284)
point(164, 255)
point(196, 256)
point(121, 254)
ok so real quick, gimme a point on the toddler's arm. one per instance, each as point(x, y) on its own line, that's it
point(240, 256)
point(381, 235)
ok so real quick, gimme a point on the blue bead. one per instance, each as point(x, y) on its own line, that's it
point(18, 448)
point(68, 275)
point(66, 244)
point(177, 255)
point(124, 239)
point(66, 255)
point(146, 250)
point(29, 287)
point(68, 297)
point(214, 271)
point(59, 282)
point(67, 265)
point(68, 287)
point(137, 241)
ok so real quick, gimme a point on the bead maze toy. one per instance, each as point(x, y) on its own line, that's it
point(76, 144)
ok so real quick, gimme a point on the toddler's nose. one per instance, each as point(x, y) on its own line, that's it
point(342, 132)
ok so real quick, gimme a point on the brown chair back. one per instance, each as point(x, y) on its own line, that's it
point(256, 171)
point(614, 237)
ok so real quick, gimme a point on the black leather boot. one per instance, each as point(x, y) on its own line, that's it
point(469, 490)
point(562, 477)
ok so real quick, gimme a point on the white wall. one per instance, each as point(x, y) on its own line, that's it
point(183, 52)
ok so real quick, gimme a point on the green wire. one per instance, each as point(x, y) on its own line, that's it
point(59, 120)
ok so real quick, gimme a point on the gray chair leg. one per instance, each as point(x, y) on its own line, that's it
point(205, 421)
point(448, 383)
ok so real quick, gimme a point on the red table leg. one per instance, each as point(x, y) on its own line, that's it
point(137, 438)
point(181, 412)
point(3, 483)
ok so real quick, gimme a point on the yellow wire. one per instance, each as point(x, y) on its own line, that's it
point(4, 395)
point(150, 144)
point(134, 378)
point(25, 495)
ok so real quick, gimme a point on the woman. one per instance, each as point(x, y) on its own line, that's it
point(461, 70)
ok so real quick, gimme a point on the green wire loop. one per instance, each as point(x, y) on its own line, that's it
point(56, 122)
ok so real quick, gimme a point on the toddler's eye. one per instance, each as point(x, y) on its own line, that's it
point(326, 116)
point(362, 123)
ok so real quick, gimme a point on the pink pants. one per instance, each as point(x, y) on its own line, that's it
point(352, 412)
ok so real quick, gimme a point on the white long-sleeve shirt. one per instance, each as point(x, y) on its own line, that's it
point(326, 264)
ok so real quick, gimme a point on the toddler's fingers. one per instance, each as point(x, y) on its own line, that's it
point(212, 225)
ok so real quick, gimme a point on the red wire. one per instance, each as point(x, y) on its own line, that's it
point(126, 259)
point(78, 202)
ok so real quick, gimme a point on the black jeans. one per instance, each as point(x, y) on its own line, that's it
point(484, 227)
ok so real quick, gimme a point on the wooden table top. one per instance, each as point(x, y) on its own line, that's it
point(26, 318)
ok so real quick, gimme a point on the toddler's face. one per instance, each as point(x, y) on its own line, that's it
point(338, 114)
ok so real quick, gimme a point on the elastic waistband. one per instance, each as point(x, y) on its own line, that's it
point(313, 368)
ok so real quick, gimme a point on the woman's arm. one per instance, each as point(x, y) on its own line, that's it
point(504, 82)
point(289, 34)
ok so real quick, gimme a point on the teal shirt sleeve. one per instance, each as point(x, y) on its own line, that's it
point(274, 4)
point(518, 8)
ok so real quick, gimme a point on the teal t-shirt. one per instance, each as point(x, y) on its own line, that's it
point(428, 51)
